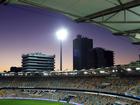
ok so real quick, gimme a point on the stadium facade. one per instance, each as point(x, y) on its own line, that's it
point(38, 62)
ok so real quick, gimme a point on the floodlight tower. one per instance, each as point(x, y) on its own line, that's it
point(61, 35)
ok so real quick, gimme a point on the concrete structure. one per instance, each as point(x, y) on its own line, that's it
point(38, 62)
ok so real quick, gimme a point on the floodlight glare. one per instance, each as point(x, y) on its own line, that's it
point(62, 34)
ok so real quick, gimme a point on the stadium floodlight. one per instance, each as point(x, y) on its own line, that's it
point(138, 68)
point(61, 35)
point(113, 71)
point(129, 69)
point(85, 72)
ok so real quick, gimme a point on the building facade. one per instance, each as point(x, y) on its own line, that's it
point(38, 62)
point(81, 47)
point(109, 57)
point(87, 57)
point(100, 57)
point(15, 69)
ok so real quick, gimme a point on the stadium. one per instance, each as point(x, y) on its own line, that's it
point(87, 87)
point(110, 85)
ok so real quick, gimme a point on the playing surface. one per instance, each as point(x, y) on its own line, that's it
point(28, 102)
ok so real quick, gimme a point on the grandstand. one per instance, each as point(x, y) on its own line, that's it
point(118, 85)
point(83, 89)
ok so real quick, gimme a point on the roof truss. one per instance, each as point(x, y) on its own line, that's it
point(105, 12)
point(122, 17)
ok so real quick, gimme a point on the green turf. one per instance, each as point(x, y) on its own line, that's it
point(28, 102)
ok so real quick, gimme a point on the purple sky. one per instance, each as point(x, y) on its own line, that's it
point(27, 29)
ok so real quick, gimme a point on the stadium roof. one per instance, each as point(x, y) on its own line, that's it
point(122, 17)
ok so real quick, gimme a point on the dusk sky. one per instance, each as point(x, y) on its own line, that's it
point(27, 30)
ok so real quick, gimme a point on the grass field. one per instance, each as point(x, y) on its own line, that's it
point(28, 102)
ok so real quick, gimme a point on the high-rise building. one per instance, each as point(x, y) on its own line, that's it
point(38, 62)
point(109, 57)
point(86, 57)
point(81, 47)
point(100, 57)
